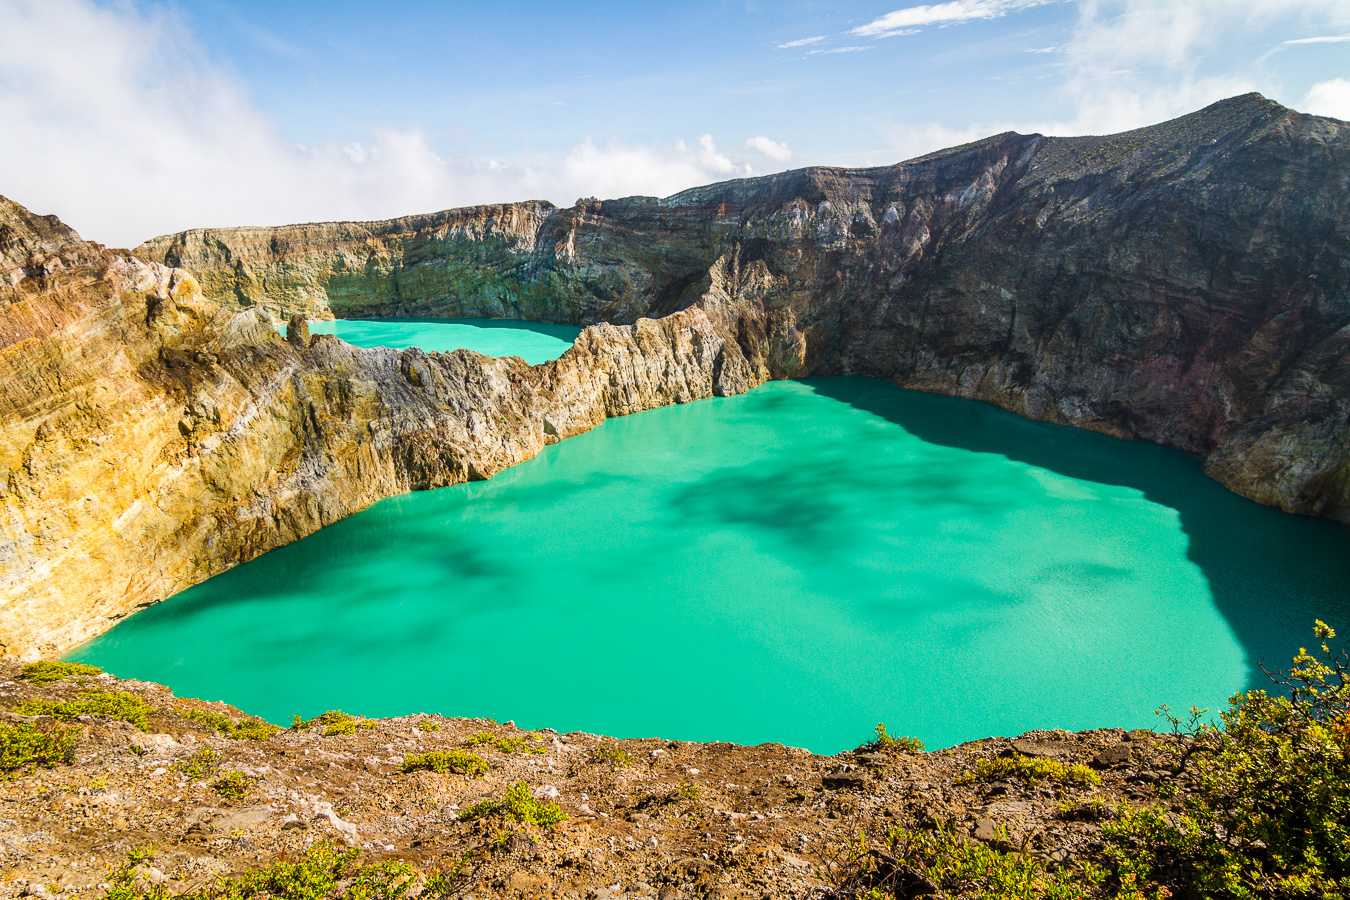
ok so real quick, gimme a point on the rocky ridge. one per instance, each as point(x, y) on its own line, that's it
point(645, 818)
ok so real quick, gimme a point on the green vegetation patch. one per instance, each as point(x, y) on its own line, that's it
point(686, 791)
point(525, 743)
point(321, 873)
point(518, 806)
point(902, 744)
point(442, 761)
point(114, 704)
point(201, 764)
point(1267, 809)
point(617, 757)
point(45, 671)
point(1258, 809)
point(428, 725)
point(247, 730)
point(333, 722)
point(233, 784)
point(1025, 768)
point(940, 862)
point(24, 747)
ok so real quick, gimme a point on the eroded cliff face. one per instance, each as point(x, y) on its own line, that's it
point(1186, 284)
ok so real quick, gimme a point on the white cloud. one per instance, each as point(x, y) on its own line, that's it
point(953, 12)
point(779, 152)
point(804, 42)
point(1329, 98)
point(1135, 62)
point(117, 125)
point(849, 49)
point(619, 171)
point(909, 140)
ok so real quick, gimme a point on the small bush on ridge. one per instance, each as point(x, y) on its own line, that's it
point(114, 704)
point(45, 671)
point(25, 746)
point(442, 761)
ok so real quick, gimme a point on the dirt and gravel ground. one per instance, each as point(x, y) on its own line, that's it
point(673, 819)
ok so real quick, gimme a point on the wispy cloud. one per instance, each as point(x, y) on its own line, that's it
point(804, 42)
point(1326, 39)
point(844, 49)
point(951, 13)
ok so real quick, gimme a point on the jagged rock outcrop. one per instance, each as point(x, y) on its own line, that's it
point(1187, 284)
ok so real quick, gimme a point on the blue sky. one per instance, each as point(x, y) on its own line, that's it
point(131, 118)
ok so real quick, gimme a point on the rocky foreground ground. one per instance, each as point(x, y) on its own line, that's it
point(639, 818)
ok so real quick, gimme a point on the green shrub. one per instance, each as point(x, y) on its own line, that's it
point(253, 730)
point(519, 806)
point(334, 722)
point(200, 764)
point(885, 741)
point(247, 730)
point(428, 725)
point(1030, 770)
point(114, 704)
point(442, 761)
point(331, 717)
point(484, 807)
point(618, 757)
point(686, 791)
point(957, 867)
point(322, 872)
point(525, 743)
point(1267, 809)
point(26, 746)
point(45, 671)
point(233, 784)
point(1260, 810)
point(208, 718)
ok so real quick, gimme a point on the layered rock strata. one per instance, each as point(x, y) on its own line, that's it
point(1187, 284)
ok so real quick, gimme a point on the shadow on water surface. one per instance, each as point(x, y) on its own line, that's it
point(1254, 557)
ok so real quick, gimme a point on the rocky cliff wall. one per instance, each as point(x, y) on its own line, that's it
point(150, 439)
point(1185, 284)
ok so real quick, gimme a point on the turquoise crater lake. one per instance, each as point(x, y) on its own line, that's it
point(793, 565)
point(534, 342)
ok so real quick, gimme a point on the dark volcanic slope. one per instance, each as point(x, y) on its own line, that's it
point(1184, 283)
